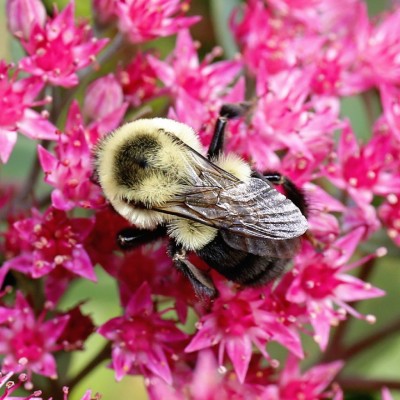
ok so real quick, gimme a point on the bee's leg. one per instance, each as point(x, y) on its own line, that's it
point(129, 238)
point(200, 281)
point(292, 192)
point(227, 112)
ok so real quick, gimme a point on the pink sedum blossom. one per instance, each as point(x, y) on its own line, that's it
point(182, 70)
point(70, 169)
point(363, 171)
point(143, 20)
point(51, 241)
point(236, 322)
point(27, 341)
point(207, 381)
point(142, 339)
point(198, 88)
point(313, 384)
point(59, 49)
point(379, 50)
point(319, 281)
point(17, 96)
point(10, 386)
point(139, 80)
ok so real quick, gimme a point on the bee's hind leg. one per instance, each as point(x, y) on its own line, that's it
point(227, 112)
point(292, 192)
point(200, 281)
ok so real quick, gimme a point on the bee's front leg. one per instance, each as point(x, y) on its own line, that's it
point(131, 237)
point(227, 112)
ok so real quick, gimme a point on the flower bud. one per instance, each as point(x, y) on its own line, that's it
point(23, 15)
point(103, 96)
point(104, 10)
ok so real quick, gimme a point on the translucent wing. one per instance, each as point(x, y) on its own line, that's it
point(249, 215)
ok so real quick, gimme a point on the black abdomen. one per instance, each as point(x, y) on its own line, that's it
point(239, 266)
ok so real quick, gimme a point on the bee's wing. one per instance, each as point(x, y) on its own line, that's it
point(250, 215)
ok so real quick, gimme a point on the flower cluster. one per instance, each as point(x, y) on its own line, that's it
point(296, 62)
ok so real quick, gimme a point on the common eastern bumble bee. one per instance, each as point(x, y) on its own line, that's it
point(157, 175)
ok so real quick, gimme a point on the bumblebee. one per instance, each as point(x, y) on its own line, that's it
point(157, 175)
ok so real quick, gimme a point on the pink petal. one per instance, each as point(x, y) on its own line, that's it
point(205, 337)
point(239, 351)
point(121, 363)
point(35, 126)
point(158, 364)
point(48, 162)
point(141, 301)
point(353, 289)
point(81, 264)
point(54, 328)
point(7, 143)
point(322, 375)
point(47, 366)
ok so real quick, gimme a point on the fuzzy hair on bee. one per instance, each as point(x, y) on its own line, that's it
point(156, 174)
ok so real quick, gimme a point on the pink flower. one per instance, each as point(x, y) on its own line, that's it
point(51, 241)
point(323, 224)
point(138, 80)
point(78, 328)
point(28, 342)
point(141, 338)
point(379, 50)
point(70, 170)
point(206, 381)
point(17, 98)
point(198, 89)
point(283, 120)
point(310, 385)
point(363, 170)
point(150, 263)
point(12, 386)
point(182, 71)
point(143, 20)
point(267, 48)
point(237, 320)
point(59, 49)
point(319, 281)
point(23, 15)
point(386, 394)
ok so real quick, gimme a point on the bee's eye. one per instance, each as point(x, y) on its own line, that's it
point(142, 163)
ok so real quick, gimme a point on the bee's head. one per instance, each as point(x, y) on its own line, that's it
point(137, 158)
point(141, 165)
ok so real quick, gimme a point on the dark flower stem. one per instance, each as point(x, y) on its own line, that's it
point(370, 340)
point(367, 385)
point(336, 347)
point(104, 354)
